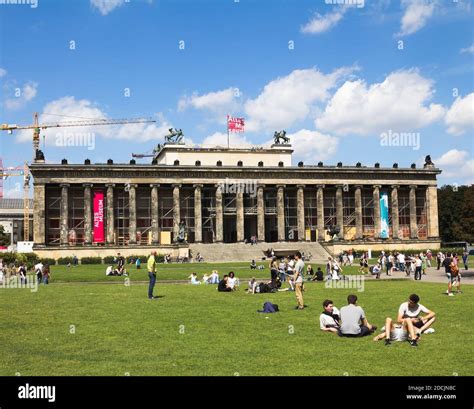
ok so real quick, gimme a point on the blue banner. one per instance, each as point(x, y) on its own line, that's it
point(383, 215)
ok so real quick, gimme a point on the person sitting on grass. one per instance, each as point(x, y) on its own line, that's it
point(408, 322)
point(252, 286)
point(233, 281)
point(214, 278)
point(319, 275)
point(353, 320)
point(253, 265)
point(329, 320)
point(376, 270)
point(223, 285)
point(194, 279)
point(310, 272)
point(206, 278)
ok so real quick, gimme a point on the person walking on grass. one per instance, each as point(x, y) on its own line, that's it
point(151, 266)
point(298, 278)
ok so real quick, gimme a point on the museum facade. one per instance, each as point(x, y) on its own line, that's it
point(230, 195)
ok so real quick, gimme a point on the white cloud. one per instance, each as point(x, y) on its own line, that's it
point(218, 101)
point(106, 6)
point(321, 23)
point(3, 72)
point(417, 13)
point(312, 146)
point(69, 109)
point(220, 139)
point(460, 117)
point(469, 50)
point(289, 99)
point(22, 96)
point(399, 103)
point(457, 165)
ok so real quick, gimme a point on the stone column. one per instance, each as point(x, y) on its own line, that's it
point(260, 214)
point(87, 213)
point(39, 215)
point(432, 212)
point(219, 215)
point(340, 211)
point(395, 216)
point(320, 212)
point(155, 226)
point(64, 215)
point(413, 222)
point(197, 213)
point(377, 221)
point(281, 212)
point(132, 214)
point(110, 214)
point(176, 211)
point(300, 212)
point(239, 203)
point(358, 212)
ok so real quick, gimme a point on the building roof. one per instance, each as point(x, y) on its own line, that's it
point(16, 204)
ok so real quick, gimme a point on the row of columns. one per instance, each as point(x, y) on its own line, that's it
point(431, 203)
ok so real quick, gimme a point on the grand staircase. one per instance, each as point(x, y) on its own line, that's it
point(227, 252)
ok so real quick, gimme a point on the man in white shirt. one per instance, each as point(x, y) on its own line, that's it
point(410, 320)
point(329, 320)
point(401, 261)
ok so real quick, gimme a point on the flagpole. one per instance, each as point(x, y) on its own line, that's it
point(228, 144)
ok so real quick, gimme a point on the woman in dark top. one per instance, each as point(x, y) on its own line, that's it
point(222, 286)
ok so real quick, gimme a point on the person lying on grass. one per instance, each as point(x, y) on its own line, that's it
point(410, 320)
point(329, 320)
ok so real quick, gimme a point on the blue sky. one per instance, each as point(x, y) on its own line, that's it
point(342, 79)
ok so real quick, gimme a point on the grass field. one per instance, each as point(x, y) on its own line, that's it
point(78, 328)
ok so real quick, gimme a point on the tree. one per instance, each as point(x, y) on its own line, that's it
point(4, 237)
point(456, 213)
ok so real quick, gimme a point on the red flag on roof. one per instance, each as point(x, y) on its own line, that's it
point(235, 124)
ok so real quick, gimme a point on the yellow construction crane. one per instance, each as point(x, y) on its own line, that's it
point(36, 126)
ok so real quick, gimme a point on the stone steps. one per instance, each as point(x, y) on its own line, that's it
point(227, 252)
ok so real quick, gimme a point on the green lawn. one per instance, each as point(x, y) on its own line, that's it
point(194, 330)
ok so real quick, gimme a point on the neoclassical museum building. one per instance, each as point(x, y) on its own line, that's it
point(229, 195)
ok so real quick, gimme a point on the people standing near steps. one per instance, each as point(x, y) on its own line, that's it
point(151, 266)
point(298, 277)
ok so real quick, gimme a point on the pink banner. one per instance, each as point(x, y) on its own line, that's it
point(98, 216)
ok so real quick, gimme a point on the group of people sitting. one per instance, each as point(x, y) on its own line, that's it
point(212, 278)
point(350, 321)
point(119, 269)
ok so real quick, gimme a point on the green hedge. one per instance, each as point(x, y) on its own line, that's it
point(64, 260)
point(377, 253)
point(109, 260)
point(8, 258)
point(91, 260)
point(48, 261)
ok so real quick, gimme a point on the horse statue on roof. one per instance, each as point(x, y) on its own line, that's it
point(174, 136)
point(280, 138)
